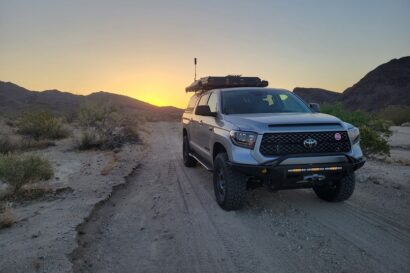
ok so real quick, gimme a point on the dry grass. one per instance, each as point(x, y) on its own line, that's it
point(10, 144)
point(32, 144)
point(7, 218)
point(110, 165)
point(32, 191)
point(7, 145)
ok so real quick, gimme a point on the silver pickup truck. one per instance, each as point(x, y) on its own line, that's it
point(246, 133)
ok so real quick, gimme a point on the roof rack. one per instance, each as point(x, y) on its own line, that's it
point(230, 81)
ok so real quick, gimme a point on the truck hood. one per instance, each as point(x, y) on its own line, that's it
point(285, 122)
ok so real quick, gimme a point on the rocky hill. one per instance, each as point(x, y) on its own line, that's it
point(15, 99)
point(317, 95)
point(388, 84)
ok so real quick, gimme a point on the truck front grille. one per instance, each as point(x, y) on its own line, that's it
point(275, 144)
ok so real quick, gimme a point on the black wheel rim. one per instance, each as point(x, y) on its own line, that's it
point(220, 185)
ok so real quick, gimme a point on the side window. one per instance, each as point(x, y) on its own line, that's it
point(204, 99)
point(191, 104)
point(212, 102)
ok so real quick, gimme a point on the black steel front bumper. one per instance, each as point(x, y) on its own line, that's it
point(280, 176)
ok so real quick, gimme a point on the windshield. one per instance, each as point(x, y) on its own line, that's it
point(261, 101)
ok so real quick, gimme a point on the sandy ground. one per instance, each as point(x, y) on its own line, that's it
point(162, 217)
point(45, 232)
point(165, 219)
point(400, 145)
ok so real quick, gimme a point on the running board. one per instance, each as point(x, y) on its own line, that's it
point(207, 167)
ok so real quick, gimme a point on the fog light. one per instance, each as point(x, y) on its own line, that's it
point(264, 171)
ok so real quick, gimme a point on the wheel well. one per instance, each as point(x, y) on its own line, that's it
point(218, 148)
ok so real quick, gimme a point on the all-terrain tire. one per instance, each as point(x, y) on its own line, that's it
point(232, 196)
point(340, 191)
point(189, 161)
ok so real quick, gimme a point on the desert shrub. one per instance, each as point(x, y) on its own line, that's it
point(10, 123)
point(18, 170)
point(70, 116)
point(398, 114)
point(27, 144)
point(41, 125)
point(89, 140)
point(104, 127)
point(7, 145)
point(131, 128)
point(7, 218)
point(10, 145)
point(374, 132)
point(96, 114)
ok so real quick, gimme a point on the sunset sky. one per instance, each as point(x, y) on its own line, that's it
point(145, 49)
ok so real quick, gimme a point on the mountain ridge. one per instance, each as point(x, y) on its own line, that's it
point(14, 99)
point(387, 84)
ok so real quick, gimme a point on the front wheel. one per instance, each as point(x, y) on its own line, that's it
point(229, 185)
point(340, 190)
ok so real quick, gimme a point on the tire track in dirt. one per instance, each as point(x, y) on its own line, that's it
point(76, 255)
point(237, 237)
point(372, 235)
point(166, 220)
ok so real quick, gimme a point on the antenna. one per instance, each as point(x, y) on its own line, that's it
point(195, 62)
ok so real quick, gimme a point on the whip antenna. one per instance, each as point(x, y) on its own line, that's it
point(195, 68)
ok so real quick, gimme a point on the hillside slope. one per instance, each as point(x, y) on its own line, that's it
point(317, 95)
point(387, 84)
point(15, 99)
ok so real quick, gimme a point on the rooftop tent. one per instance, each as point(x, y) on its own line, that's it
point(211, 82)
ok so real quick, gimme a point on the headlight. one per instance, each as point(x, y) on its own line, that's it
point(243, 139)
point(354, 134)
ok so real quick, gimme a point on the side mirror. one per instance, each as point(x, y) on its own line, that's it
point(314, 107)
point(204, 110)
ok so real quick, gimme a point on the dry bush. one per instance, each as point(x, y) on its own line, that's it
point(89, 140)
point(70, 116)
point(41, 125)
point(32, 144)
point(398, 114)
point(18, 170)
point(10, 123)
point(106, 128)
point(7, 145)
point(33, 191)
point(7, 218)
point(10, 145)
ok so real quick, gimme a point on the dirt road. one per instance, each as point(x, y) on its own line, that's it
point(165, 219)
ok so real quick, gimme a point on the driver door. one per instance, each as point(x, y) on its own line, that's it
point(205, 128)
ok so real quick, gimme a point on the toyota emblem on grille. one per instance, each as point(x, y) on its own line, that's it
point(310, 143)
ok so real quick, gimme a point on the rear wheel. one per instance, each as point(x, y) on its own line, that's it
point(189, 161)
point(229, 185)
point(340, 190)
